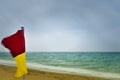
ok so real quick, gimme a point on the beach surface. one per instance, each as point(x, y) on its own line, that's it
point(7, 72)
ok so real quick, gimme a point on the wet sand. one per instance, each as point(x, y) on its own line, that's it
point(6, 73)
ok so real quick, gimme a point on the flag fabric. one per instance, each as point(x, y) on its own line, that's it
point(16, 44)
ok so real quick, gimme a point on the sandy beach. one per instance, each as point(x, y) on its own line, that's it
point(6, 73)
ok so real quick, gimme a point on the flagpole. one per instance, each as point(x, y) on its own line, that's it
point(23, 77)
point(22, 28)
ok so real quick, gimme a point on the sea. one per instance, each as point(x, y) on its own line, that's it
point(100, 63)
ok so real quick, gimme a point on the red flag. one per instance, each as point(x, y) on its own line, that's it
point(16, 44)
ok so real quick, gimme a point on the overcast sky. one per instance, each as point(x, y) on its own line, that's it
point(63, 25)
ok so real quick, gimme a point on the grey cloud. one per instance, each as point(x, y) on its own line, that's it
point(95, 18)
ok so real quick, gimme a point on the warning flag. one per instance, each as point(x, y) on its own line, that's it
point(16, 44)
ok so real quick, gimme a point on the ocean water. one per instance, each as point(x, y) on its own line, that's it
point(97, 61)
point(99, 64)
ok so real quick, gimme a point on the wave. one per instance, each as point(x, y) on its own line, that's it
point(57, 69)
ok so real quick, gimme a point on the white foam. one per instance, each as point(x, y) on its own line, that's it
point(7, 62)
point(76, 71)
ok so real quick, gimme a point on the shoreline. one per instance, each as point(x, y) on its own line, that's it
point(6, 73)
point(61, 70)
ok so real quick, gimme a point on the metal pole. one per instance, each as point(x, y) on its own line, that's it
point(22, 28)
point(23, 77)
